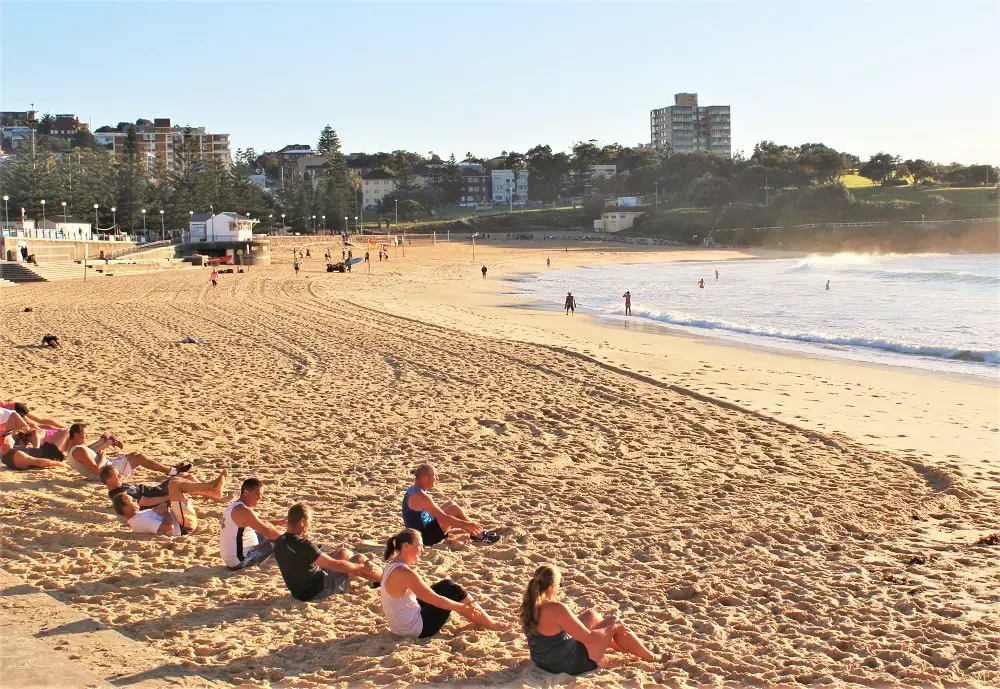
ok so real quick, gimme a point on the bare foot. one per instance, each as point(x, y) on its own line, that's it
point(219, 483)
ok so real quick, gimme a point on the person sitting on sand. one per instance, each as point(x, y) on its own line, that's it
point(88, 459)
point(560, 640)
point(30, 418)
point(433, 522)
point(311, 574)
point(245, 539)
point(413, 608)
point(176, 517)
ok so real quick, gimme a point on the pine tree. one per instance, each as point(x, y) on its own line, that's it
point(132, 186)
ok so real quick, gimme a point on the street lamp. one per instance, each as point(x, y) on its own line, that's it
point(270, 222)
point(163, 232)
point(114, 219)
point(97, 224)
point(347, 228)
point(282, 223)
point(324, 225)
point(314, 224)
point(6, 218)
point(143, 211)
point(396, 201)
point(43, 210)
point(64, 211)
point(357, 230)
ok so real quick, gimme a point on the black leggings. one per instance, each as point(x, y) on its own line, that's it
point(434, 617)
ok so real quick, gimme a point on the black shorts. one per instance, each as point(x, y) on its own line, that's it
point(46, 451)
point(8, 459)
point(432, 534)
point(433, 618)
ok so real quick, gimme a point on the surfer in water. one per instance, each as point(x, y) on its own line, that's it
point(701, 283)
point(628, 303)
point(716, 275)
point(827, 285)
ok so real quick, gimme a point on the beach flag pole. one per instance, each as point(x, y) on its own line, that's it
point(86, 255)
point(473, 248)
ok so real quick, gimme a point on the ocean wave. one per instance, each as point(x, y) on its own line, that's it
point(991, 356)
point(912, 275)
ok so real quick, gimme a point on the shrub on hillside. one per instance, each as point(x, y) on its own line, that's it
point(826, 198)
point(709, 190)
point(896, 182)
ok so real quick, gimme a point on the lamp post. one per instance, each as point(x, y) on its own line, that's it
point(114, 219)
point(347, 228)
point(396, 201)
point(356, 229)
point(163, 232)
point(270, 222)
point(6, 218)
point(143, 211)
point(64, 211)
point(43, 210)
point(97, 224)
point(314, 224)
point(282, 224)
point(323, 230)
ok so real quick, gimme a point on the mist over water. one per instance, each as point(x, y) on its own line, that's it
point(939, 312)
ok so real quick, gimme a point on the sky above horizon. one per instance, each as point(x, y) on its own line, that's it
point(915, 79)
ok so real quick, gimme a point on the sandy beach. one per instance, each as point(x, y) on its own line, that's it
point(770, 520)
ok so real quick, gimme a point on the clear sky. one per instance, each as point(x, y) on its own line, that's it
point(918, 79)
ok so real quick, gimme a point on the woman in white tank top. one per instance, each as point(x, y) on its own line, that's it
point(413, 608)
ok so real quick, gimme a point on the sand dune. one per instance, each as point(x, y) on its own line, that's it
point(757, 551)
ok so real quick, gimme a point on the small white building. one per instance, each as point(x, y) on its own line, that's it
point(507, 189)
point(66, 227)
point(616, 220)
point(375, 186)
point(221, 227)
point(596, 173)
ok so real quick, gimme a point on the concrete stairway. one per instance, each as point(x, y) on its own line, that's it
point(26, 272)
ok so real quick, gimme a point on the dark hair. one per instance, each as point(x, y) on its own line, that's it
point(106, 471)
point(22, 437)
point(21, 408)
point(531, 602)
point(250, 484)
point(77, 428)
point(395, 543)
point(423, 469)
point(118, 503)
point(298, 512)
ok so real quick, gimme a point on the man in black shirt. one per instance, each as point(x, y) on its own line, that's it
point(144, 494)
point(311, 574)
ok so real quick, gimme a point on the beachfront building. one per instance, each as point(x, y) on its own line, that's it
point(508, 189)
point(686, 127)
point(222, 227)
point(159, 141)
point(475, 185)
point(375, 186)
point(66, 227)
point(617, 219)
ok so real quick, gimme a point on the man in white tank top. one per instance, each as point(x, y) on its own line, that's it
point(88, 459)
point(245, 539)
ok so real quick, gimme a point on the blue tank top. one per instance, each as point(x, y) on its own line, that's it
point(414, 519)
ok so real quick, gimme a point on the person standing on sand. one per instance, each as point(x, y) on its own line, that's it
point(628, 303)
point(484, 272)
point(559, 640)
point(827, 285)
point(548, 262)
point(295, 264)
point(570, 303)
point(214, 277)
point(412, 608)
point(716, 275)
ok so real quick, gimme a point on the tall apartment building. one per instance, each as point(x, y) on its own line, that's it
point(686, 127)
point(507, 188)
point(158, 141)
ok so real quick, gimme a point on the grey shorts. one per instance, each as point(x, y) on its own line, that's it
point(333, 582)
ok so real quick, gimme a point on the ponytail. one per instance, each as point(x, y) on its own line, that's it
point(535, 595)
point(395, 543)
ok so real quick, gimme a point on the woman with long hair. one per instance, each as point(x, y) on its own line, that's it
point(413, 608)
point(560, 640)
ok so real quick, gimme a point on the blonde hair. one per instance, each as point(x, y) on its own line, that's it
point(536, 595)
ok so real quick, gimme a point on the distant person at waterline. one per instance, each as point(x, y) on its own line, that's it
point(570, 303)
point(716, 275)
point(827, 285)
point(628, 303)
point(701, 283)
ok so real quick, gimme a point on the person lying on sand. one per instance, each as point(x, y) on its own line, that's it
point(145, 494)
point(35, 448)
point(245, 539)
point(88, 459)
point(16, 416)
point(412, 607)
point(422, 514)
point(176, 517)
point(560, 640)
point(311, 574)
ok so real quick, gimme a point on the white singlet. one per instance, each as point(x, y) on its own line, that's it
point(120, 463)
point(403, 613)
point(235, 541)
point(149, 521)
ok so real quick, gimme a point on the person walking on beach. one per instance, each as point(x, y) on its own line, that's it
point(214, 278)
point(716, 275)
point(628, 303)
point(433, 522)
point(548, 262)
point(309, 573)
point(295, 264)
point(414, 609)
point(570, 303)
point(560, 640)
point(245, 539)
point(827, 285)
point(484, 272)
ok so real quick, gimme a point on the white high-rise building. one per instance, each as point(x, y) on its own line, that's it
point(506, 189)
point(685, 127)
